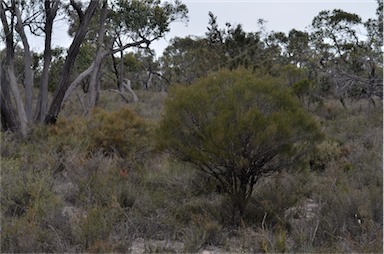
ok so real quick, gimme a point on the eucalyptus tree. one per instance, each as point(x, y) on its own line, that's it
point(127, 24)
point(10, 83)
point(349, 63)
point(146, 20)
point(242, 48)
point(38, 17)
point(50, 8)
point(141, 23)
point(298, 48)
point(187, 59)
point(143, 69)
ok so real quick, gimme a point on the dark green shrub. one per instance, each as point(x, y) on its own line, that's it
point(236, 128)
point(303, 89)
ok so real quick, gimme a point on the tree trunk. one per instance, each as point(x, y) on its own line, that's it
point(148, 82)
point(42, 101)
point(8, 121)
point(90, 69)
point(28, 76)
point(94, 84)
point(76, 82)
point(238, 208)
point(126, 85)
point(69, 62)
point(120, 73)
point(10, 70)
point(19, 103)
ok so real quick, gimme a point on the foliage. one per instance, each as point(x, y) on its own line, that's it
point(121, 132)
point(29, 208)
point(96, 184)
point(324, 153)
point(331, 55)
point(95, 201)
point(150, 17)
point(343, 55)
point(236, 128)
point(58, 59)
point(187, 59)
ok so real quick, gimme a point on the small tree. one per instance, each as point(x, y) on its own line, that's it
point(236, 128)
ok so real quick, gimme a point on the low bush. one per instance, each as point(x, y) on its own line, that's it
point(120, 132)
point(61, 191)
point(31, 219)
point(236, 128)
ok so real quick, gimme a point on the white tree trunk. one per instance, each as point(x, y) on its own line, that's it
point(23, 122)
point(76, 82)
point(42, 101)
point(127, 85)
point(94, 84)
point(28, 76)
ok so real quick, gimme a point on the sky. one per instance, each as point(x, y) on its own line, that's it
point(281, 15)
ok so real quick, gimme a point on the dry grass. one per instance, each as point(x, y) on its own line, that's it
point(58, 195)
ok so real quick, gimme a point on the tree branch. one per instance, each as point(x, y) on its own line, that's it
point(77, 8)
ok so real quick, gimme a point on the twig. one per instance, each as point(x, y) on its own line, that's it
point(263, 222)
point(315, 231)
point(57, 235)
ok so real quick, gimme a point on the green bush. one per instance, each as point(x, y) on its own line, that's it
point(236, 127)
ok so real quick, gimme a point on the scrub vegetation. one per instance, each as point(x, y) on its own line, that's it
point(259, 142)
point(63, 190)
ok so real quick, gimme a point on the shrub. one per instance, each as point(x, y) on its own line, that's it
point(236, 128)
point(203, 231)
point(119, 131)
point(324, 153)
point(29, 209)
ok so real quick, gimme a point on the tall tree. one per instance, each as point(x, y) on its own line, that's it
point(349, 63)
point(50, 10)
point(93, 83)
point(70, 60)
point(8, 25)
point(187, 59)
point(28, 76)
point(298, 50)
point(132, 24)
point(36, 16)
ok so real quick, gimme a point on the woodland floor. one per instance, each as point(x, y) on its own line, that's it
point(61, 193)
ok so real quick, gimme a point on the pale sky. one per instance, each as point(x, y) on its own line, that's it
point(282, 15)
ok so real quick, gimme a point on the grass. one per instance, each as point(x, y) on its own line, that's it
point(63, 193)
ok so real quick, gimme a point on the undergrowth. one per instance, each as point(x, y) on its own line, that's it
point(98, 184)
